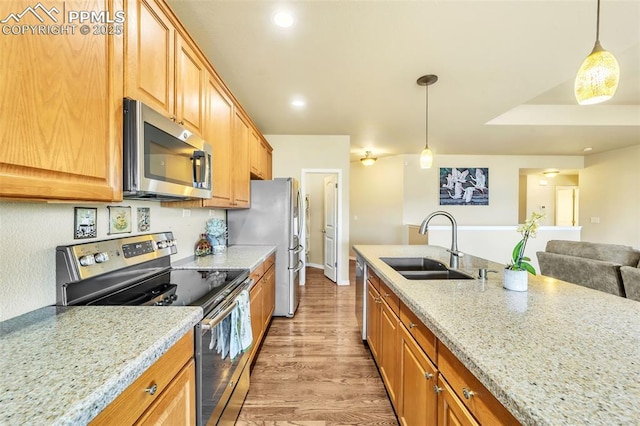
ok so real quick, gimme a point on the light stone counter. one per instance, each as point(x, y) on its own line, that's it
point(558, 354)
point(63, 365)
point(235, 257)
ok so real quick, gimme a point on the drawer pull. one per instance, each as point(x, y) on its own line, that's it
point(412, 325)
point(467, 393)
point(428, 375)
point(152, 389)
point(437, 389)
point(387, 295)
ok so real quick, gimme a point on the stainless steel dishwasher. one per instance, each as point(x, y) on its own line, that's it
point(361, 295)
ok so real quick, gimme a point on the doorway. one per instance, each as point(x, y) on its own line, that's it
point(566, 206)
point(321, 190)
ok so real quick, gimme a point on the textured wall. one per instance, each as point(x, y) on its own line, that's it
point(30, 232)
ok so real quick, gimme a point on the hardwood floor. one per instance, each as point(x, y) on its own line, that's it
point(313, 369)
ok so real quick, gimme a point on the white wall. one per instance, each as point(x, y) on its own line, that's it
point(610, 193)
point(396, 192)
point(30, 232)
point(293, 153)
point(421, 187)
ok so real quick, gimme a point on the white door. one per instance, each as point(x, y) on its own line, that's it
point(566, 206)
point(330, 229)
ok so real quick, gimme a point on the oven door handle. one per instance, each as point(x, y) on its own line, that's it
point(209, 323)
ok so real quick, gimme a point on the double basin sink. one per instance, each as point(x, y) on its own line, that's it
point(422, 268)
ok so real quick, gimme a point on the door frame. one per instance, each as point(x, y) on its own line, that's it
point(340, 236)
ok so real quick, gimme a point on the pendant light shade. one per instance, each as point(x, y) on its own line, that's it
point(426, 156)
point(598, 77)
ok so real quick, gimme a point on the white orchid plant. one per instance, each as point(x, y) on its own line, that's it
point(519, 262)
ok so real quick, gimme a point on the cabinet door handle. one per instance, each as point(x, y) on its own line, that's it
point(387, 295)
point(437, 389)
point(412, 325)
point(152, 389)
point(428, 375)
point(467, 393)
point(172, 118)
point(181, 123)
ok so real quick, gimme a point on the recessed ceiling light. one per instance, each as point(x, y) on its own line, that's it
point(298, 103)
point(587, 149)
point(283, 19)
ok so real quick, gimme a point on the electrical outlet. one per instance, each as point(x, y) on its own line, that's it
point(186, 213)
point(211, 213)
point(595, 219)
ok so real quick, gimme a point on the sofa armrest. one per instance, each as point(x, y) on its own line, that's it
point(631, 282)
point(595, 274)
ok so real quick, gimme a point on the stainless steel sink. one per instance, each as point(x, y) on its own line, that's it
point(422, 268)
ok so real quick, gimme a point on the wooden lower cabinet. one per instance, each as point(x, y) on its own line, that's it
point(451, 411)
point(373, 320)
point(262, 302)
point(163, 395)
point(390, 351)
point(426, 383)
point(177, 405)
point(418, 399)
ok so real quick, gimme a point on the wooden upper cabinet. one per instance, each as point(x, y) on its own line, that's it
point(190, 77)
point(163, 69)
point(61, 112)
point(260, 153)
point(218, 131)
point(241, 167)
point(150, 56)
point(255, 151)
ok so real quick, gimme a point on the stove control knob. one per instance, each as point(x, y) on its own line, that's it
point(167, 300)
point(171, 243)
point(162, 244)
point(159, 303)
point(173, 297)
point(87, 260)
point(101, 257)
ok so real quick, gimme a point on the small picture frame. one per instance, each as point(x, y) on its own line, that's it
point(119, 219)
point(144, 219)
point(84, 222)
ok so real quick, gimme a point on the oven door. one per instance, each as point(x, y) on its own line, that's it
point(221, 383)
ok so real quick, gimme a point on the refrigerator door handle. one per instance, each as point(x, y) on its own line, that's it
point(298, 249)
point(298, 267)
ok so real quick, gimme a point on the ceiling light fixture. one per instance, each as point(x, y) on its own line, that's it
point(367, 160)
point(426, 156)
point(598, 77)
point(283, 19)
point(298, 103)
point(551, 173)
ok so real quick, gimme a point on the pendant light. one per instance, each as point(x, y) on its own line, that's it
point(426, 157)
point(367, 160)
point(598, 77)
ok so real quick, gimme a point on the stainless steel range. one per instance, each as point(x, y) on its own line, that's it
point(136, 270)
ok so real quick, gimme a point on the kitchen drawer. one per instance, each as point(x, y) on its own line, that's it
point(425, 338)
point(389, 297)
point(133, 402)
point(373, 278)
point(269, 262)
point(257, 273)
point(484, 406)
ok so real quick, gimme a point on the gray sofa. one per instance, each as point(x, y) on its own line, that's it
point(610, 268)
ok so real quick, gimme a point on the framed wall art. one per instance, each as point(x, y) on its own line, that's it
point(144, 219)
point(84, 222)
point(119, 219)
point(464, 186)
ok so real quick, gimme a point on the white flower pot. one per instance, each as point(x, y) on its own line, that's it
point(515, 280)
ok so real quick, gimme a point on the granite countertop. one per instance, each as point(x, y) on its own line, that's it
point(235, 257)
point(557, 354)
point(63, 365)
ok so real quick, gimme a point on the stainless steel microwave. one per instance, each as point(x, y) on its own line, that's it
point(162, 160)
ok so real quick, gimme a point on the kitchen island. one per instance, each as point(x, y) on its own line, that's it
point(556, 354)
point(64, 365)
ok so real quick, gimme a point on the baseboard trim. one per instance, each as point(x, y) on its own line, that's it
point(315, 265)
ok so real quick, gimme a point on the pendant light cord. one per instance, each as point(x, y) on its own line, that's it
point(598, 23)
point(426, 121)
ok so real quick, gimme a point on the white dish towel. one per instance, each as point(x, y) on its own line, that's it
point(241, 335)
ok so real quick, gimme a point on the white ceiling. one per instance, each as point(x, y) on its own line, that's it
point(506, 62)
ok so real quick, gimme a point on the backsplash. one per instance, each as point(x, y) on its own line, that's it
point(30, 232)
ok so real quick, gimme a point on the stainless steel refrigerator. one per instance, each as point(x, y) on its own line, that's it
point(274, 219)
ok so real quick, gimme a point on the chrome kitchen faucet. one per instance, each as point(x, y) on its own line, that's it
point(455, 254)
